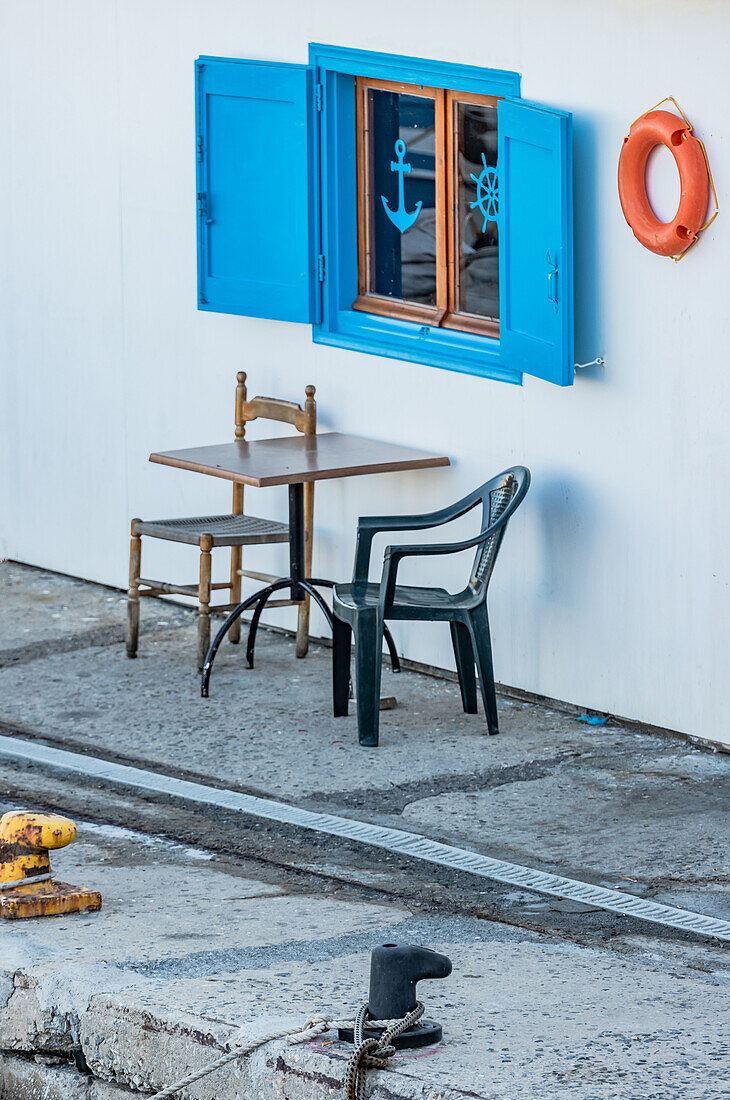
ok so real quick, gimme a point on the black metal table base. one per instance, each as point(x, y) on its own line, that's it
point(319, 583)
point(260, 600)
point(296, 582)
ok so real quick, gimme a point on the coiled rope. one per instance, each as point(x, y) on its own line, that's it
point(374, 1053)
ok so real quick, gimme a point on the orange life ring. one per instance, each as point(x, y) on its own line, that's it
point(663, 128)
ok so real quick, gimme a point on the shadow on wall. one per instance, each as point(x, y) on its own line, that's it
point(566, 512)
point(589, 290)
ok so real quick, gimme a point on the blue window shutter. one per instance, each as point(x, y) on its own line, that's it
point(256, 183)
point(536, 239)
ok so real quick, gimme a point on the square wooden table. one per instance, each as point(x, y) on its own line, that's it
point(292, 460)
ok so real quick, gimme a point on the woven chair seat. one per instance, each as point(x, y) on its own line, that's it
point(228, 530)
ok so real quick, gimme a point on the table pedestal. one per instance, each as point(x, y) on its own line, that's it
point(297, 583)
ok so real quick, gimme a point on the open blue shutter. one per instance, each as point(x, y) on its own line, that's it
point(536, 239)
point(256, 179)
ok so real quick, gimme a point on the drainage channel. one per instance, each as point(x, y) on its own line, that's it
point(362, 832)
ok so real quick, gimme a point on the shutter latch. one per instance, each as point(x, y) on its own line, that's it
point(320, 267)
point(203, 208)
point(552, 281)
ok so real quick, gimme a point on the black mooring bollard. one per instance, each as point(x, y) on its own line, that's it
point(394, 971)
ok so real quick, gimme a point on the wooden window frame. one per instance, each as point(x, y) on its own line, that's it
point(366, 300)
point(454, 318)
point(444, 314)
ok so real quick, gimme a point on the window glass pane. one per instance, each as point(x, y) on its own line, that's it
point(401, 155)
point(477, 244)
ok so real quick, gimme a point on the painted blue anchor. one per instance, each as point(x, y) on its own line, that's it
point(400, 218)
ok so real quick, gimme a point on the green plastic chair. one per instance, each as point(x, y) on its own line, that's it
point(363, 607)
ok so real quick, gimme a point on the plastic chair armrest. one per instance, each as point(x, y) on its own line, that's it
point(369, 526)
point(394, 555)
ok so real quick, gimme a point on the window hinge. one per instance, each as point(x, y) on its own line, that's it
point(320, 267)
point(199, 148)
point(319, 96)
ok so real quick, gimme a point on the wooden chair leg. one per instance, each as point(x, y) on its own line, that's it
point(341, 646)
point(479, 630)
point(368, 666)
point(464, 654)
point(304, 607)
point(135, 558)
point(234, 634)
point(302, 648)
point(206, 545)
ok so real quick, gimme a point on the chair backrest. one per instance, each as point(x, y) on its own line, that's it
point(500, 497)
point(272, 408)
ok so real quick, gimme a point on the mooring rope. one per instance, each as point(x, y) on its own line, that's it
point(314, 1026)
point(368, 1053)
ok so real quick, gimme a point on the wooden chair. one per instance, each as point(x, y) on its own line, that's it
point(235, 530)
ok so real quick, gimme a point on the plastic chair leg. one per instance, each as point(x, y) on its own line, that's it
point(341, 646)
point(479, 630)
point(464, 654)
point(368, 667)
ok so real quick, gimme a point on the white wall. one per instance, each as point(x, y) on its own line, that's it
point(612, 590)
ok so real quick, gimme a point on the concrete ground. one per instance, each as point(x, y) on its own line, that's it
point(210, 922)
point(190, 947)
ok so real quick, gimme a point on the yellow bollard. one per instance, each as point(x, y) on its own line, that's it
point(26, 886)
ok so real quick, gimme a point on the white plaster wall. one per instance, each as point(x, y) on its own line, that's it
point(612, 588)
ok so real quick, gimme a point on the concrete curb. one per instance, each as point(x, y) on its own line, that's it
point(132, 1049)
point(39, 1079)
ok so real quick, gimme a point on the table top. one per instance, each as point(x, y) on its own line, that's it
point(290, 459)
